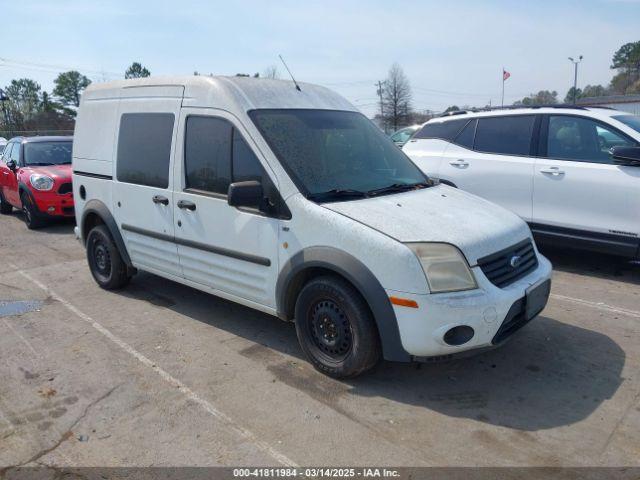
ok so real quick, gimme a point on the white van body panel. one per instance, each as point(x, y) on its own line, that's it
point(371, 231)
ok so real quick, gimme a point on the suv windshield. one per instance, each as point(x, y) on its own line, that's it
point(47, 153)
point(632, 121)
point(336, 154)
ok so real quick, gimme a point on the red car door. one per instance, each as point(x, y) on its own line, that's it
point(10, 177)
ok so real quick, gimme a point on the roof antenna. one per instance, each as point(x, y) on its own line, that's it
point(290, 74)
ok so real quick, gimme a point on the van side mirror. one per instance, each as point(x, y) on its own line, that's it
point(11, 165)
point(246, 194)
point(627, 156)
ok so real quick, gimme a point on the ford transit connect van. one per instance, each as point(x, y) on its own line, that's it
point(293, 203)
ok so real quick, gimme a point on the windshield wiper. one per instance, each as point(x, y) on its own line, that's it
point(397, 187)
point(337, 193)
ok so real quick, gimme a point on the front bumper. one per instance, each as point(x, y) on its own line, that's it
point(485, 309)
point(53, 204)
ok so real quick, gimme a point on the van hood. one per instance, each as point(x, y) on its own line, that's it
point(439, 214)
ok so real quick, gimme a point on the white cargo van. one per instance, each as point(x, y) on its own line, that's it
point(293, 203)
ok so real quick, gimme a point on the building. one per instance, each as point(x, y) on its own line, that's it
point(624, 103)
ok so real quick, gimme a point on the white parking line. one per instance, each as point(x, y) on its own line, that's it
point(598, 305)
point(193, 396)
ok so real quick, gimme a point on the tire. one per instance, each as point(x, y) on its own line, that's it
point(335, 328)
point(5, 207)
point(105, 262)
point(30, 213)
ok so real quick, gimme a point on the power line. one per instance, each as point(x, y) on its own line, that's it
point(7, 62)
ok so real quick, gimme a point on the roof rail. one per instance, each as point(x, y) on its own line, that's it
point(515, 107)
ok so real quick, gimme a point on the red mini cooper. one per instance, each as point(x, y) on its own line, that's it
point(35, 176)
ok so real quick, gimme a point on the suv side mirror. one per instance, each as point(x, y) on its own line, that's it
point(627, 156)
point(11, 165)
point(246, 194)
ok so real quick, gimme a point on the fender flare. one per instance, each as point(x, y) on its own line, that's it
point(22, 187)
point(361, 278)
point(101, 210)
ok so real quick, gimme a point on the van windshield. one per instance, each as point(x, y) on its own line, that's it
point(47, 153)
point(336, 155)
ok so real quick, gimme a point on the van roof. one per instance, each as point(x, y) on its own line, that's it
point(243, 93)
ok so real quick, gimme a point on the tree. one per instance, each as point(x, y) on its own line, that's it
point(627, 61)
point(271, 72)
point(69, 86)
point(23, 102)
point(452, 108)
point(569, 97)
point(396, 97)
point(136, 70)
point(543, 97)
point(595, 91)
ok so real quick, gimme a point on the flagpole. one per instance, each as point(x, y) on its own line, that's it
point(502, 103)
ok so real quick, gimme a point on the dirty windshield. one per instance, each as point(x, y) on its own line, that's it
point(334, 155)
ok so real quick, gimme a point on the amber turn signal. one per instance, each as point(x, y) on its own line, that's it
point(403, 302)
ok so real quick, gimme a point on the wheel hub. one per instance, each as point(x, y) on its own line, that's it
point(330, 329)
point(102, 259)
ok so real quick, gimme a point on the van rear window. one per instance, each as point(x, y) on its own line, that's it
point(144, 148)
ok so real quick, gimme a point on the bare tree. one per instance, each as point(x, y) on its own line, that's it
point(396, 97)
point(271, 72)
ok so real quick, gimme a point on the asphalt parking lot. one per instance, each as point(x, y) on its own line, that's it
point(161, 374)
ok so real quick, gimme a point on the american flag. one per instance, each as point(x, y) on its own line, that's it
point(505, 75)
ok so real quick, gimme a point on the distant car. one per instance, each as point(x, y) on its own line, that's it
point(3, 143)
point(35, 176)
point(402, 136)
point(573, 173)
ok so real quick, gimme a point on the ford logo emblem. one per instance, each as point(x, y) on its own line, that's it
point(515, 261)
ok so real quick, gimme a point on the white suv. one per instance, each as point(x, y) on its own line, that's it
point(293, 203)
point(553, 166)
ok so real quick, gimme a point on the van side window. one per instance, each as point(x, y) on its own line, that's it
point(6, 154)
point(208, 154)
point(509, 135)
point(245, 164)
point(217, 155)
point(144, 148)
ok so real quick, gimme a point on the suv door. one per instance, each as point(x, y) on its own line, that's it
point(4, 170)
point(492, 158)
point(231, 250)
point(578, 192)
point(142, 188)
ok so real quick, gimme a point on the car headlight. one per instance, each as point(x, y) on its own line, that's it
point(41, 182)
point(444, 266)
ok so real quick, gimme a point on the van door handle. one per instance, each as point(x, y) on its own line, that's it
point(160, 199)
point(459, 163)
point(552, 170)
point(186, 205)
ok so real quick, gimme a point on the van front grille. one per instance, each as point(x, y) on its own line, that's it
point(505, 267)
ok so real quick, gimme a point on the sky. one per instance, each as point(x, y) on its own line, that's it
point(452, 51)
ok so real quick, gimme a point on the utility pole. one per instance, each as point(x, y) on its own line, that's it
point(379, 85)
point(575, 76)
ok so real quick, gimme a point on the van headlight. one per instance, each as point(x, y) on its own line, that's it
point(41, 182)
point(444, 266)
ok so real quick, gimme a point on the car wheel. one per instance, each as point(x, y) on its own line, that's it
point(105, 262)
point(335, 328)
point(30, 213)
point(5, 207)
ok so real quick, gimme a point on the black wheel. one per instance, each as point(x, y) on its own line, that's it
point(30, 213)
point(335, 328)
point(105, 262)
point(5, 207)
